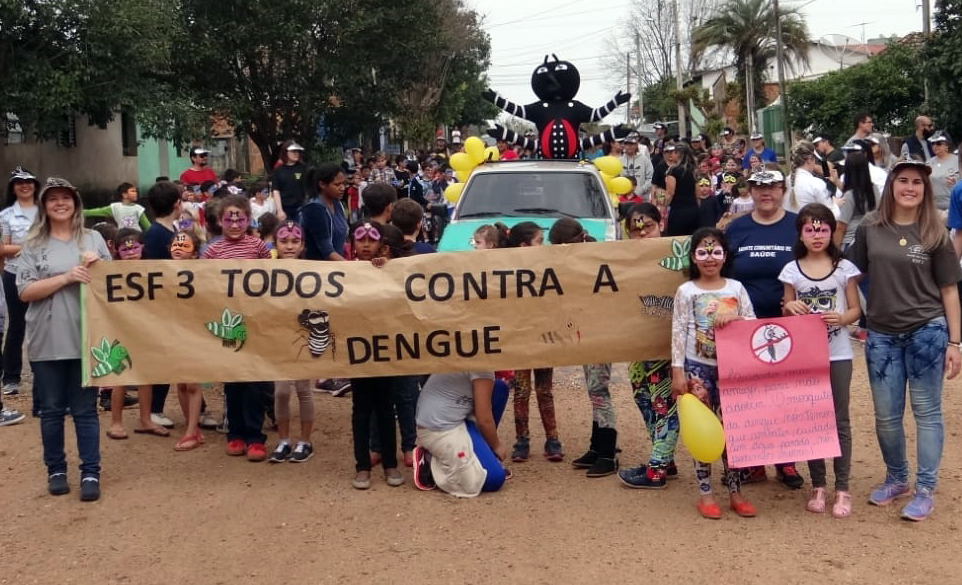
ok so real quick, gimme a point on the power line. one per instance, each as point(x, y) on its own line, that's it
point(496, 25)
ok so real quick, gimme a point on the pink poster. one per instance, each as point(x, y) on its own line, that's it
point(776, 397)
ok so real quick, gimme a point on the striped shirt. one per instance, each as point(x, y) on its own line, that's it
point(247, 248)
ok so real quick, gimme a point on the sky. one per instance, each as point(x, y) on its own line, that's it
point(523, 31)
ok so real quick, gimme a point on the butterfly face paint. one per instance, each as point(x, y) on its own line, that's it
point(290, 230)
point(709, 249)
point(130, 250)
point(234, 223)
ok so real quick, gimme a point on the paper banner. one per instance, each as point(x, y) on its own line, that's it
point(776, 396)
point(245, 320)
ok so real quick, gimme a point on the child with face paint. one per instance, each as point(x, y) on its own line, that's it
point(186, 246)
point(709, 207)
point(651, 385)
point(372, 395)
point(820, 281)
point(289, 240)
point(128, 245)
point(704, 303)
point(245, 400)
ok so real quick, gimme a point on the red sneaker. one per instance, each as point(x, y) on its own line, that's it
point(236, 447)
point(256, 452)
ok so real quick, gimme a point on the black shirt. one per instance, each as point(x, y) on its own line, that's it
point(289, 181)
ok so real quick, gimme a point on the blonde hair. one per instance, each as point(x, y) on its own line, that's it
point(40, 230)
point(931, 229)
point(800, 155)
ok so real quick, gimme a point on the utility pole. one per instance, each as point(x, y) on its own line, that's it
point(750, 92)
point(641, 87)
point(628, 71)
point(926, 29)
point(679, 85)
point(786, 127)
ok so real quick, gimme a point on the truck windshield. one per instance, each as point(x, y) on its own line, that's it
point(555, 194)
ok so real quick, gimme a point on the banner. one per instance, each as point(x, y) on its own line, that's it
point(776, 396)
point(245, 320)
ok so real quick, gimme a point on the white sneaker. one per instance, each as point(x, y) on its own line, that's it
point(11, 417)
point(207, 421)
point(161, 419)
point(11, 389)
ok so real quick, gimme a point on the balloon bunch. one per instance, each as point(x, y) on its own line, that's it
point(610, 168)
point(475, 153)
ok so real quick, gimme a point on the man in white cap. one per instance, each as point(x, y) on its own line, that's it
point(198, 172)
point(758, 149)
point(637, 164)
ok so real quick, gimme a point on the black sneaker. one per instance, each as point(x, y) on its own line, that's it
point(57, 484)
point(89, 489)
point(302, 452)
point(586, 460)
point(423, 478)
point(644, 478)
point(789, 477)
point(281, 453)
point(602, 466)
point(341, 387)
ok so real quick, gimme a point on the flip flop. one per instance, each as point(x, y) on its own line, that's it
point(117, 436)
point(157, 432)
point(188, 442)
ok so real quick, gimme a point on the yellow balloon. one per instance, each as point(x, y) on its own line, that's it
point(474, 146)
point(460, 161)
point(492, 154)
point(453, 192)
point(463, 175)
point(701, 431)
point(621, 185)
point(608, 164)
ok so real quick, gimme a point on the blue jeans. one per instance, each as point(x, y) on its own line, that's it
point(487, 458)
point(60, 389)
point(915, 358)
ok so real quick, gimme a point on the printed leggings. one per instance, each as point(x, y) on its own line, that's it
point(703, 383)
point(651, 386)
point(597, 377)
point(543, 380)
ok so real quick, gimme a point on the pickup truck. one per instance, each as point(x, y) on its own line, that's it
point(541, 191)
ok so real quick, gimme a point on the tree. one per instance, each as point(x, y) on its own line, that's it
point(887, 85)
point(746, 30)
point(91, 57)
point(942, 66)
point(651, 24)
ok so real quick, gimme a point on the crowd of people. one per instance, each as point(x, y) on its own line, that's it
point(762, 244)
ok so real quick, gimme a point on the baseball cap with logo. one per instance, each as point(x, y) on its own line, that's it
point(766, 177)
point(60, 183)
point(198, 151)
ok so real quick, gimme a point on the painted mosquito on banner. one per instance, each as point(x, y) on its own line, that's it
point(317, 326)
point(110, 358)
point(230, 330)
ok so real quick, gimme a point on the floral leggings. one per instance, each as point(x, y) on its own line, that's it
point(703, 383)
point(651, 385)
point(597, 377)
point(543, 381)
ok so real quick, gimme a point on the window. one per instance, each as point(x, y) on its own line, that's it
point(128, 132)
point(68, 131)
point(552, 194)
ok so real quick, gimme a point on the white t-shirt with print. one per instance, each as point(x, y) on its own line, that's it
point(825, 295)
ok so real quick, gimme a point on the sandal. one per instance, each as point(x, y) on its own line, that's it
point(710, 511)
point(817, 503)
point(117, 436)
point(843, 505)
point(188, 442)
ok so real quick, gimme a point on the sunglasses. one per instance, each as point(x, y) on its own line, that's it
point(367, 231)
point(706, 253)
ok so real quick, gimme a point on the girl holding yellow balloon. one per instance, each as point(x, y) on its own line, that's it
point(706, 302)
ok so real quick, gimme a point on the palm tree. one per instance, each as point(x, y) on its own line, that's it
point(746, 28)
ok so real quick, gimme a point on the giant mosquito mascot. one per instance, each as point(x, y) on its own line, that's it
point(557, 114)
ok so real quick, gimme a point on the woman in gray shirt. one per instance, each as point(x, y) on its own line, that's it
point(54, 261)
